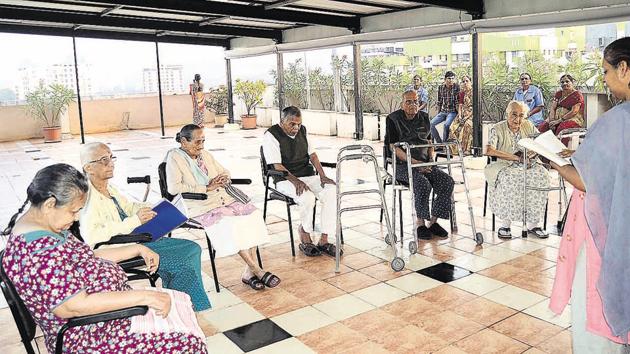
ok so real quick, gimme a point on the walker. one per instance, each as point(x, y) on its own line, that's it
point(365, 153)
point(413, 245)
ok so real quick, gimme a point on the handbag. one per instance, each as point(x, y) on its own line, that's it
point(237, 194)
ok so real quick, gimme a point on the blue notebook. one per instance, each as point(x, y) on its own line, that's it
point(170, 215)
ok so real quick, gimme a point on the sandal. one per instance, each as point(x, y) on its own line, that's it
point(310, 250)
point(329, 249)
point(504, 232)
point(254, 283)
point(538, 232)
point(270, 280)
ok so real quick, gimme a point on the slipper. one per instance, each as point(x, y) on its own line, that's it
point(538, 232)
point(504, 232)
point(270, 280)
point(310, 250)
point(438, 231)
point(254, 283)
point(329, 249)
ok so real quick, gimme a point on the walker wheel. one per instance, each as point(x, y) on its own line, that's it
point(413, 247)
point(388, 239)
point(398, 264)
point(479, 238)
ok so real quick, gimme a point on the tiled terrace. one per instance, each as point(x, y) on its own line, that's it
point(499, 305)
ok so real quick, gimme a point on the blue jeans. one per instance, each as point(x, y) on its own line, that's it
point(439, 118)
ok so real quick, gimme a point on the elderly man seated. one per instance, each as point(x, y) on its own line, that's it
point(413, 127)
point(108, 213)
point(505, 176)
point(286, 147)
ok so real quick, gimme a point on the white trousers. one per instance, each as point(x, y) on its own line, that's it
point(327, 197)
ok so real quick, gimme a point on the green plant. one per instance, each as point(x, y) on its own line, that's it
point(48, 103)
point(217, 101)
point(251, 93)
point(322, 86)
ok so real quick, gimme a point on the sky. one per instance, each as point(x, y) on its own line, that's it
point(116, 66)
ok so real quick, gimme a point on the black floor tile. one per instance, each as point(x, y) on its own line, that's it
point(257, 335)
point(444, 272)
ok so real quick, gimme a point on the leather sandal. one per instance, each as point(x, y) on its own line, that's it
point(329, 249)
point(270, 280)
point(254, 283)
point(310, 250)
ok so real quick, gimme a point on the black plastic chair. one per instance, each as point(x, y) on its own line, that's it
point(268, 172)
point(26, 324)
point(192, 224)
point(132, 266)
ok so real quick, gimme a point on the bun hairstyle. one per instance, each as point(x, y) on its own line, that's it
point(618, 51)
point(60, 181)
point(186, 132)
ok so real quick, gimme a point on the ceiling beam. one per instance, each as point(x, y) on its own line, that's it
point(81, 33)
point(211, 8)
point(473, 7)
point(64, 17)
point(277, 4)
point(110, 10)
point(370, 4)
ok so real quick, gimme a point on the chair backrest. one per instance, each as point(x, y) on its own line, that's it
point(387, 154)
point(23, 319)
point(162, 179)
point(263, 166)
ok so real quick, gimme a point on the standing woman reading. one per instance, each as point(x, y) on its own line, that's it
point(594, 258)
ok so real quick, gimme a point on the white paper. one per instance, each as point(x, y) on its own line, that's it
point(179, 203)
point(547, 145)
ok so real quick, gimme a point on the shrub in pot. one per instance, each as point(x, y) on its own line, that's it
point(251, 93)
point(217, 102)
point(47, 104)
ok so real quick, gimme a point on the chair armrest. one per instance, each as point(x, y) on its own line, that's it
point(276, 173)
point(96, 318)
point(329, 164)
point(128, 238)
point(146, 179)
point(241, 181)
point(195, 196)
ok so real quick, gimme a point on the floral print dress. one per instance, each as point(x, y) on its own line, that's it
point(47, 269)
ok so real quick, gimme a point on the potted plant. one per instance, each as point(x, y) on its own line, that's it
point(48, 104)
point(251, 93)
point(217, 102)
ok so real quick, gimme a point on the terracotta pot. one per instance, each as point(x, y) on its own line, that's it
point(248, 121)
point(52, 134)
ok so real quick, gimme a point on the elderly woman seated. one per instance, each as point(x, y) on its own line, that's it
point(59, 277)
point(505, 176)
point(233, 226)
point(108, 213)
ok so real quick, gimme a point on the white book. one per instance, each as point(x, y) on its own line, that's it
point(547, 145)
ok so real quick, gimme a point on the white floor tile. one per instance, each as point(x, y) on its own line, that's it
point(477, 284)
point(380, 294)
point(303, 320)
point(233, 316)
point(541, 310)
point(219, 343)
point(414, 283)
point(290, 345)
point(344, 306)
point(514, 297)
point(473, 262)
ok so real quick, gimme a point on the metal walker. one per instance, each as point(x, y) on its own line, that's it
point(413, 245)
point(365, 153)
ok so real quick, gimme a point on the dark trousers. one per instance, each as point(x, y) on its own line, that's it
point(437, 179)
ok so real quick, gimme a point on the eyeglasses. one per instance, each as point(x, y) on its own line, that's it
point(412, 102)
point(105, 160)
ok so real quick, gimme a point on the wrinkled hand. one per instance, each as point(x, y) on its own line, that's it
point(145, 214)
point(300, 186)
point(425, 169)
point(325, 180)
point(566, 153)
point(218, 182)
point(159, 301)
point(151, 259)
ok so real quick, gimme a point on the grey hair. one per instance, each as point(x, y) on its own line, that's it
point(288, 112)
point(511, 104)
point(87, 152)
point(409, 91)
point(59, 181)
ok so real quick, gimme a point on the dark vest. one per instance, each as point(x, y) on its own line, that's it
point(294, 152)
point(414, 132)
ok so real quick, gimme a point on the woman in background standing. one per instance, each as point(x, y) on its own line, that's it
point(198, 100)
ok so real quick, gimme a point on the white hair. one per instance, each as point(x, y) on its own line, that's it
point(512, 104)
point(87, 152)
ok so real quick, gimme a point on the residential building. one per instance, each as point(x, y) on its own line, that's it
point(31, 77)
point(171, 76)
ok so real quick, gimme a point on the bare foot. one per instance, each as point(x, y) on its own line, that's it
point(305, 237)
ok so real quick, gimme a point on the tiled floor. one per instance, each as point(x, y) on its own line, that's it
point(452, 297)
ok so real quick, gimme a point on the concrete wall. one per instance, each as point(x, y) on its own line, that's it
point(104, 115)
